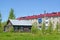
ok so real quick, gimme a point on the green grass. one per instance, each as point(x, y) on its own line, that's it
point(28, 36)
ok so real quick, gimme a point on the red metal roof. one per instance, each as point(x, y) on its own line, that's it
point(53, 14)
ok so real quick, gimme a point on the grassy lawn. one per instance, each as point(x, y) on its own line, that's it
point(28, 36)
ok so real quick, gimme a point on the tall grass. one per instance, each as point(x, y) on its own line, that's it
point(28, 36)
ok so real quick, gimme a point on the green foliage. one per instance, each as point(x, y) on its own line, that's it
point(57, 25)
point(43, 28)
point(0, 20)
point(34, 28)
point(2, 27)
point(50, 29)
point(11, 15)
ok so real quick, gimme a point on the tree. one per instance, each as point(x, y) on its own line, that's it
point(43, 28)
point(11, 15)
point(0, 23)
point(50, 27)
point(57, 27)
point(0, 20)
point(34, 28)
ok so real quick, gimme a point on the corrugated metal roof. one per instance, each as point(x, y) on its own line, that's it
point(20, 22)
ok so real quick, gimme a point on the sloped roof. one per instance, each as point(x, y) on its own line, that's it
point(53, 14)
point(20, 22)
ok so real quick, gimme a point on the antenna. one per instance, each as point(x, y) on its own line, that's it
point(44, 13)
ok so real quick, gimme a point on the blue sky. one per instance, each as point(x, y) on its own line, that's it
point(28, 7)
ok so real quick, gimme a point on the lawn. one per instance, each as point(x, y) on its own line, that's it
point(28, 36)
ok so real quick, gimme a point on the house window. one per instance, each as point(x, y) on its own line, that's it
point(21, 29)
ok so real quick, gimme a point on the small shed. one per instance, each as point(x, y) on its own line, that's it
point(19, 25)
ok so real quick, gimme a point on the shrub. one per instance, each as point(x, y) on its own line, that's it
point(43, 28)
point(50, 27)
point(57, 28)
point(34, 28)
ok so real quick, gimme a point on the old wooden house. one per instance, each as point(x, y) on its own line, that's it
point(18, 25)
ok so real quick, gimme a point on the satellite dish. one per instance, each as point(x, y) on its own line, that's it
point(39, 20)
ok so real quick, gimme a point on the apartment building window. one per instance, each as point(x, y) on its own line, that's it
point(53, 17)
point(46, 27)
point(53, 21)
point(46, 18)
point(46, 22)
point(39, 26)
